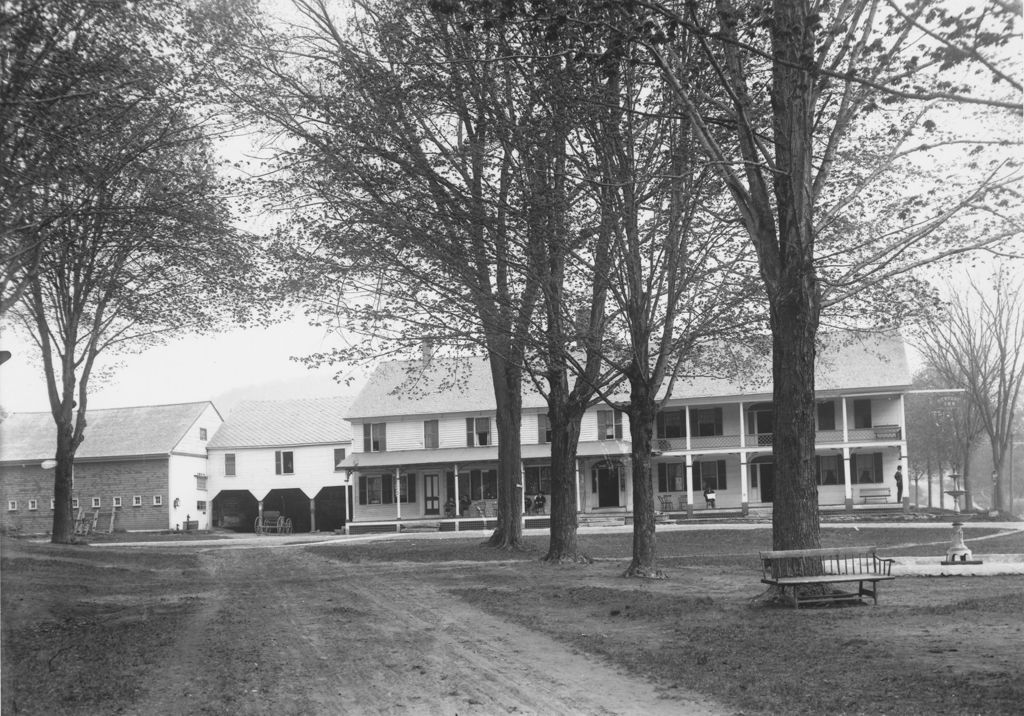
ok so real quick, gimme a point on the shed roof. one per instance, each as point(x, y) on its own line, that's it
point(860, 362)
point(110, 433)
point(268, 423)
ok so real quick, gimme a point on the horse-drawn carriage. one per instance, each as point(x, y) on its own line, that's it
point(271, 523)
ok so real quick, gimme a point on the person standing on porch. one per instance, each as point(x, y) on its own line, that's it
point(899, 483)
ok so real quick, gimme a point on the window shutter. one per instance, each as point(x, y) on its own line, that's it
point(879, 477)
point(469, 432)
point(362, 489)
point(721, 463)
point(411, 478)
point(718, 431)
point(367, 443)
point(662, 477)
point(542, 425)
point(277, 462)
point(660, 423)
point(695, 481)
point(817, 468)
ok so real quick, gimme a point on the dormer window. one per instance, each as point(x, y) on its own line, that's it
point(202, 433)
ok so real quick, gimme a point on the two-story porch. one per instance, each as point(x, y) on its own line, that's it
point(726, 448)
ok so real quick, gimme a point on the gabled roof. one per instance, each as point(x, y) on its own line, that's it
point(269, 423)
point(439, 386)
point(849, 362)
point(109, 433)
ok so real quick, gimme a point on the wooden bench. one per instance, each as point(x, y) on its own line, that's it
point(799, 568)
point(872, 494)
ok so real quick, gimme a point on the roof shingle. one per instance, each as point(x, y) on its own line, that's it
point(846, 361)
point(112, 432)
point(267, 423)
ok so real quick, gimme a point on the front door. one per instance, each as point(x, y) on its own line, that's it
point(431, 496)
point(766, 480)
point(607, 486)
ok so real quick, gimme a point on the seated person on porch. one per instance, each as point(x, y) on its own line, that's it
point(538, 503)
point(464, 503)
point(709, 496)
point(528, 505)
point(449, 508)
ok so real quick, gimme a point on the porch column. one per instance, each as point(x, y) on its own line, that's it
point(458, 500)
point(576, 479)
point(522, 493)
point(312, 514)
point(689, 472)
point(904, 459)
point(689, 432)
point(629, 483)
point(743, 444)
point(744, 486)
point(846, 428)
point(398, 490)
point(847, 468)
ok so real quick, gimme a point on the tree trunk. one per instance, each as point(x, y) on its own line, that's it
point(641, 428)
point(968, 492)
point(787, 266)
point(565, 419)
point(1000, 490)
point(795, 520)
point(507, 378)
point(63, 479)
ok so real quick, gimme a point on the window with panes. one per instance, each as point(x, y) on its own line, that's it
point(543, 429)
point(284, 462)
point(478, 431)
point(430, 434)
point(609, 424)
point(375, 437)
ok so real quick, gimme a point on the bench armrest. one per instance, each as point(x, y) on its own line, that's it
point(884, 564)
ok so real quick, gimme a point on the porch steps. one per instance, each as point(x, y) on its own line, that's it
point(590, 520)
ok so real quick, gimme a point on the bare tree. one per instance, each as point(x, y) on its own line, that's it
point(978, 345)
point(943, 428)
point(142, 245)
point(401, 175)
point(799, 88)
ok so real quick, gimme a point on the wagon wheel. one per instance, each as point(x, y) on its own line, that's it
point(258, 527)
point(288, 526)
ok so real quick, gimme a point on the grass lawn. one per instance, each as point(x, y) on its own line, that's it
point(931, 646)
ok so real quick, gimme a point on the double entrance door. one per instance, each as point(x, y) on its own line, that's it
point(607, 480)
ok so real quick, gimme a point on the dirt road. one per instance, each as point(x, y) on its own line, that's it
point(282, 630)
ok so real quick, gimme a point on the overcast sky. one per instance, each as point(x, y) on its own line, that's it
point(241, 364)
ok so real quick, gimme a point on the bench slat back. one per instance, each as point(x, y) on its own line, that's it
point(808, 562)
